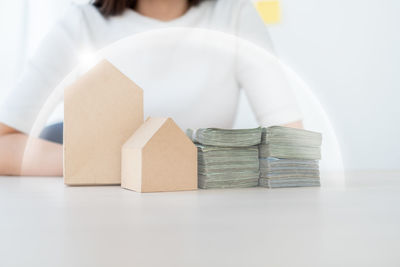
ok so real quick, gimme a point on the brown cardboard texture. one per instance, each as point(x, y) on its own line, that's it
point(101, 111)
point(159, 157)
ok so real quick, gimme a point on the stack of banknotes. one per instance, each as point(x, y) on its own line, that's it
point(227, 158)
point(289, 157)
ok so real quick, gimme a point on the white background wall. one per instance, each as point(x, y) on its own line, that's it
point(348, 51)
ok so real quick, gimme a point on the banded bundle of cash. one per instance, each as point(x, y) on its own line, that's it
point(227, 137)
point(227, 158)
point(289, 157)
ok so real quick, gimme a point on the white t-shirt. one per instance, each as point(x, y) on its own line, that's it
point(210, 95)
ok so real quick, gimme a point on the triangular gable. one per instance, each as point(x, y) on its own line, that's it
point(169, 129)
point(145, 132)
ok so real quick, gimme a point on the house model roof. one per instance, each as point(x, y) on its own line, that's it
point(147, 130)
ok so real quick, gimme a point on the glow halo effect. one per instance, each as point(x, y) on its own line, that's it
point(218, 44)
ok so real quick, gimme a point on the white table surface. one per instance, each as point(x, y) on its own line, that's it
point(44, 223)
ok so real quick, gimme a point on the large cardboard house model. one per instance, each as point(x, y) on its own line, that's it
point(159, 157)
point(101, 111)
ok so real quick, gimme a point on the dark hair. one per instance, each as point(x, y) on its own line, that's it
point(117, 7)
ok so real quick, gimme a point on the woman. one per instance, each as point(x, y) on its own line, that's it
point(105, 21)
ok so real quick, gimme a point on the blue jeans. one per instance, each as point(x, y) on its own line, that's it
point(53, 133)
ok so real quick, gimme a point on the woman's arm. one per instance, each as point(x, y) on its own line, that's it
point(261, 74)
point(41, 158)
point(54, 58)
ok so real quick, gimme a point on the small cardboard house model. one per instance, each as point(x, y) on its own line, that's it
point(101, 111)
point(159, 157)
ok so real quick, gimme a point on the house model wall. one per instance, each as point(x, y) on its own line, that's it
point(159, 157)
point(102, 109)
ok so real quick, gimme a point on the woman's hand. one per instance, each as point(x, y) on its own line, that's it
point(296, 124)
point(40, 158)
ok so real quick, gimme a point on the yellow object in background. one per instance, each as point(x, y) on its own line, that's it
point(269, 11)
